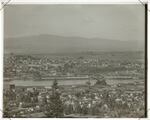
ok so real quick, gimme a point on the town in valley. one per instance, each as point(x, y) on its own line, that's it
point(88, 84)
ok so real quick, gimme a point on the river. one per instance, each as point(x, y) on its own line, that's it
point(62, 82)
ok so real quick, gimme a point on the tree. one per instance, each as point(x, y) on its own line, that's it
point(55, 85)
point(54, 108)
point(88, 84)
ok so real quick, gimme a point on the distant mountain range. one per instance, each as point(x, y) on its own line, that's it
point(39, 44)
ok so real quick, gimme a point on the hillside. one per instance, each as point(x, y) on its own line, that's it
point(61, 44)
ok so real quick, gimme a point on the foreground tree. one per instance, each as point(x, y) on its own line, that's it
point(54, 108)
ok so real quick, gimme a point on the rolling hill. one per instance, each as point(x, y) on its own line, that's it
point(46, 43)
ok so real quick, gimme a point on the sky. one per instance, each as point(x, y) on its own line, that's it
point(115, 22)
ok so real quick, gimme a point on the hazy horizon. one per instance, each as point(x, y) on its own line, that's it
point(73, 28)
point(60, 44)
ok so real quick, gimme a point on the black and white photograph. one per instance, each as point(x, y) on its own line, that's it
point(74, 61)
